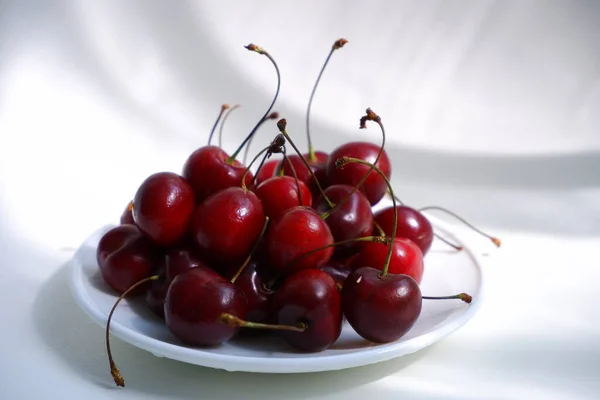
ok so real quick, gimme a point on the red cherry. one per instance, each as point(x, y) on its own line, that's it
point(318, 165)
point(228, 224)
point(298, 231)
point(411, 225)
point(209, 171)
point(194, 304)
point(337, 270)
point(406, 258)
point(309, 297)
point(127, 216)
point(280, 193)
point(268, 170)
point(125, 256)
point(163, 206)
point(351, 220)
point(381, 309)
point(374, 187)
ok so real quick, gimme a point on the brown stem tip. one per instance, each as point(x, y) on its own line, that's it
point(281, 124)
point(253, 47)
point(273, 115)
point(467, 298)
point(342, 161)
point(371, 116)
point(116, 374)
point(496, 241)
point(339, 43)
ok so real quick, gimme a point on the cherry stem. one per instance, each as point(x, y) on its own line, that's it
point(449, 243)
point(223, 123)
point(376, 239)
point(281, 125)
point(114, 371)
point(467, 298)
point(340, 162)
point(370, 116)
point(247, 261)
point(212, 131)
point(260, 153)
point(235, 322)
point(494, 240)
point(337, 45)
point(276, 146)
point(248, 140)
point(379, 228)
point(262, 162)
point(286, 159)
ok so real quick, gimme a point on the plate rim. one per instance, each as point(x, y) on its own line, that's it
point(232, 363)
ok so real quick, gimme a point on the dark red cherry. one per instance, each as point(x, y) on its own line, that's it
point(298, 231)
point(253, 282)
point(351, 220)
point(318, 165)
point(309, 297)
point(381, 309)
point(280, 193)
point(209, 171)
point(411, 225)
point(127, 216)
point(163, 206)
point(228, 224)
point(125, 256)
point(406, 258)
point(268, 170)
point(156, 293)
point(374, 188)
point(337, 270)
point(194, 303)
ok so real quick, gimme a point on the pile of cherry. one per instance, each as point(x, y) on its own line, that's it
point(294, 249)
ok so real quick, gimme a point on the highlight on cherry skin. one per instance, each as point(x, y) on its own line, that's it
point(288, 246)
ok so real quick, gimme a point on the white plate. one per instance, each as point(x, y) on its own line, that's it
point(446, 272)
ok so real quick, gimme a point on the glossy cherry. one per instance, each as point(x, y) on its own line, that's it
point(227, 225)
point(381, 309)
point(194, 303)
point(163, 206)
point(210, 170)
point(127, 215)
point(312, 299)
point(374, 187)
point(268, 170)
point(318, 164)
point(411, 225)
point(352, 219)
point(337, 270)
point(125, 256)
point(280, 193)
point(298, 231)
point(406, 258)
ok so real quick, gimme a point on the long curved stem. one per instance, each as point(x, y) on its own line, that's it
point(467, 298)
point(223, 123)
point(247, 261)
point(212, 131)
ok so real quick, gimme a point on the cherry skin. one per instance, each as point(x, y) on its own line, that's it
point(280, 193)
point(163, 206)
point(298, 231)
point(125, 256)
point(127, 215)
point(227, 225)
point(268, 170)
point(176, 260)
point(374, 187)
point(194, 303)
point(353, 219)
point(381, 309)
point(411, 225)
point(337, 270)
point(208, 171)
point(309, 297)
point(318, 165)
point(406, 258)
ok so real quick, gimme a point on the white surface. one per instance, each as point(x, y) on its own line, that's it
point(96, 96)
point(446, 272)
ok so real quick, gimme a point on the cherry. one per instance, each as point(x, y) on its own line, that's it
point(351, 219)
point(411, 225)
point(268, 170)
point(125, 256)
point(296, 232)
point(280, 193)
point(127, 216)
point(337, 270)
point(406, 258)
point(210, 170)
point(381, 308)
point(163, 206)
point(310, 298)
point(227, 225)
point(194, 303)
